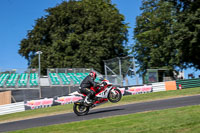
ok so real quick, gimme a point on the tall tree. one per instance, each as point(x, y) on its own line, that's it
point(76, 34)
point(167, 34)
point(186, 34)
point(151, 32)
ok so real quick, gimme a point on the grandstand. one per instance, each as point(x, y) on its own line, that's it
point(19, 79)
point(25, 79)
point(26, 84)
point(68, 76)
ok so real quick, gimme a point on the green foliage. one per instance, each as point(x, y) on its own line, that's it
point(76, 34)
point(186, 35)
point(152, 29)
point(167, 34)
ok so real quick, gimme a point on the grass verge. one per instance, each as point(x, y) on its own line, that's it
point(125, 100)
point(183, 119)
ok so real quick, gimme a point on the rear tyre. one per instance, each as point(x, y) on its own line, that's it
point(80, 109)
point(114, 96)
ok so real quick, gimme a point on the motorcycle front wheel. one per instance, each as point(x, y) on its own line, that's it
point(80, 109)
point(114, 95)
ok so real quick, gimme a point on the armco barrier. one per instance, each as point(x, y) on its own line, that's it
point(36, 104)
point(48, 102)
point(139, 89)
point(160, 86)
point(188, 83)
point(11, 108)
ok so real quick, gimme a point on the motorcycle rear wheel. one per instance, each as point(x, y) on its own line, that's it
point(80, 109)
point(115, 97)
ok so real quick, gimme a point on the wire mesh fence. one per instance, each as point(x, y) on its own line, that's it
point(121, 67)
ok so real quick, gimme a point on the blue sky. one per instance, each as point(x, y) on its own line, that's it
point(18, 16)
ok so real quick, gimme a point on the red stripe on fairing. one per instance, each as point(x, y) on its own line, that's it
point(101, 101)
point(100, 91)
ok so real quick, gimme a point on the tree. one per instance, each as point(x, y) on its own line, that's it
point(151, 34)
point(167, 34)
point(186, 35)
point(76, 34)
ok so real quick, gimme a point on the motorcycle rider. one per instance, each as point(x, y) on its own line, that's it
point(86, 84)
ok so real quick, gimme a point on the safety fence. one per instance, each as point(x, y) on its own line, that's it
point(188, 83)
point(48, 102)
point(164, 86)
point(127, 90)
point(40, 103)
point(154, 87)
point(12, 108)
point(132, 90)
point(160, 86)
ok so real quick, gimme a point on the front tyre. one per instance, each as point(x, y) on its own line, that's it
point(80, 110)
point(114, 95)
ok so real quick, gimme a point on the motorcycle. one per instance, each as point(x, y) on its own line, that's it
point(106, 92)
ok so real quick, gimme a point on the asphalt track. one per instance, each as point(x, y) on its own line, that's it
point(100, 113)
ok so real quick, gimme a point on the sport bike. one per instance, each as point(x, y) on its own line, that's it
point(104, 93)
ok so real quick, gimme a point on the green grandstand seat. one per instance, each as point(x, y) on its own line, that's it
point(33, 83)
point(97, 79)
point(12, 80)
point(23, 79)
point(71, 74)
point(81, 78)
point(75, 79)
point(87, 73)
point(33, 79)
point(3, 79)
point(81, 74)
point(65, 80)
point(54, 79)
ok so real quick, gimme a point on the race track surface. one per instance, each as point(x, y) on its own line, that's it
point(103, 112)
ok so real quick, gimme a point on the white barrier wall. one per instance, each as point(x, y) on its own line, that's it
point(160, 86)
point(48, 102)
point(139, 89)
point(12, 108)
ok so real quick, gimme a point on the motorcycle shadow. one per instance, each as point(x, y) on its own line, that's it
point(103, 111)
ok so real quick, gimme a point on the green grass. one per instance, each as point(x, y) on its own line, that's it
point(183, 120)
point(125, 100)
point(36, 113)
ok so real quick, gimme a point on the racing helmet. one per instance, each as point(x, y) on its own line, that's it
point(93, 74)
